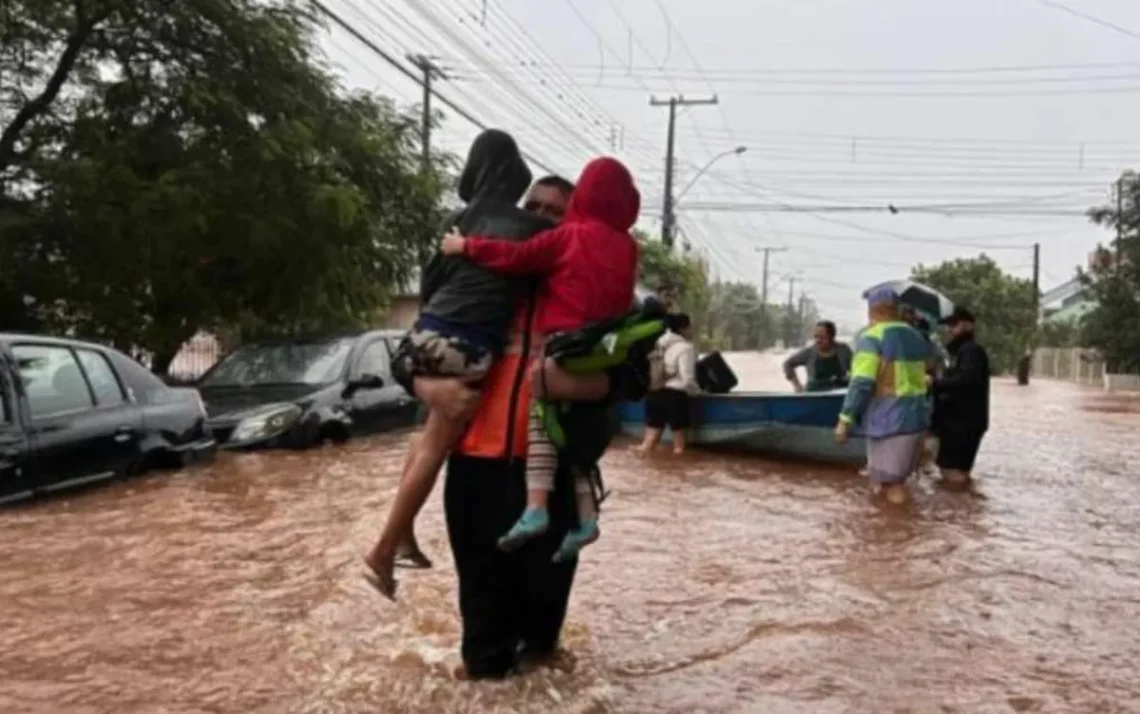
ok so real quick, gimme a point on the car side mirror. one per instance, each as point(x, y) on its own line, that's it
point(365, 380)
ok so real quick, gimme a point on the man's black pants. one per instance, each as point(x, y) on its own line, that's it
point(507, 601)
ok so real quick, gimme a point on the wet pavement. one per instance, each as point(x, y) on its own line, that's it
point(721, 584)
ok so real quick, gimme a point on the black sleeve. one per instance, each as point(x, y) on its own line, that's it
point(438, 268)
point(973, 371)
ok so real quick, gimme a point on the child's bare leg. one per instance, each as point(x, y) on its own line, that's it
point(556, 384)
point(652, 438)
point(587, 531)
point(679, 441)
point(422, 469)
point(541, 464)
point(450, 396)
point(408, 551)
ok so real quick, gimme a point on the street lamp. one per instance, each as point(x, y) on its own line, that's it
point(731, 152)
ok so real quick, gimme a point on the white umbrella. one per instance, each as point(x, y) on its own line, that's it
point(922, 298)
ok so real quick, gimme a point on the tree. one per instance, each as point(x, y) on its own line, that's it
point(1113, 280)
point(170, 167)
point(1003, 304)
point(1066, 333)
point(662, 268)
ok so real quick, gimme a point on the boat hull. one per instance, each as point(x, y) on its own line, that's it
point(799, 426)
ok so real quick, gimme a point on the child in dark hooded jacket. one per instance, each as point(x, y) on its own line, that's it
point(589, 266)
point(465, 314)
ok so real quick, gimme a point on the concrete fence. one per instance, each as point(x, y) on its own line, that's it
point(1078, 365)
point(1082, 366)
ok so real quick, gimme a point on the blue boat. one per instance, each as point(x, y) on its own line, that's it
point(799, 426)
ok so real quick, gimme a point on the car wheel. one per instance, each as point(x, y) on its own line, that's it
point(333, 434)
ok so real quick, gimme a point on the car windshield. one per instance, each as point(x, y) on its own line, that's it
point(255, 365)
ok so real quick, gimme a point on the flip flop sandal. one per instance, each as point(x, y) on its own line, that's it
point(374, 580)
point(413, 561)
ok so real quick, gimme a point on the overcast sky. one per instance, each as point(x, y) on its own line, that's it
point(1017, 113)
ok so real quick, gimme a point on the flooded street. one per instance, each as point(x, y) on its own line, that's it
point(720, 584)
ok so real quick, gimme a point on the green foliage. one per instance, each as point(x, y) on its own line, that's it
point(187, 166)
point(726, 315)
point(662, 268)
point(1067, 333)
point(1004, 305)
point(1113, 326)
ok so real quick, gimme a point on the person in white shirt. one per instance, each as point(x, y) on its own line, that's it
point(667, 405)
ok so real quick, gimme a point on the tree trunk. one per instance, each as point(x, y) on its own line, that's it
point(43, 101)
point(161, 361)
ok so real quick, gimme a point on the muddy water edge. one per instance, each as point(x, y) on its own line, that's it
point(721, 584)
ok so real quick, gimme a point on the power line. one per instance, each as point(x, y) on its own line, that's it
point(813, 71)
point(1003, 94)
point(409, 73)
point(1090, 18)
point(847, 80)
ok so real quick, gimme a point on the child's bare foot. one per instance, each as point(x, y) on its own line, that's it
point(380, 574)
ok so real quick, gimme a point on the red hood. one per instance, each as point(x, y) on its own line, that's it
point(605, 192)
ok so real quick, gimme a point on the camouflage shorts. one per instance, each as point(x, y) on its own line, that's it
point(429, 353)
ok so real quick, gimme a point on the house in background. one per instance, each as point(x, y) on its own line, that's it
point(405, 306)
point(1070, 301)
point(403, 311)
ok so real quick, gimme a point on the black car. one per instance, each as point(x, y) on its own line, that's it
point(300, 392)
point(75, 413)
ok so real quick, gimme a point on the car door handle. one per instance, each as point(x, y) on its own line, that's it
point(123, 434)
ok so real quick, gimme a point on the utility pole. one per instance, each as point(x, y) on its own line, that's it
point(668, 220)
point(431, 71)
point(764, 280)
point(1036, 282)
point(1119, 217)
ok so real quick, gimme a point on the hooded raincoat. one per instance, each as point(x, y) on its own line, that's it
point(589, 261)
point(465, 294)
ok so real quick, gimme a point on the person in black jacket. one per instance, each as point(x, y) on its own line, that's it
point(962, 394)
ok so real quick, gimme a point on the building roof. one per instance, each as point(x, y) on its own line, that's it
point(1055, 298)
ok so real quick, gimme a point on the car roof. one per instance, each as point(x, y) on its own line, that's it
point(10, 337)
point(325, 336)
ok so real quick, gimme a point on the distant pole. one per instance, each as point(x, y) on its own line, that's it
point(1119, 217)
point(431, 71)
point(789, 322)
point(1036, 282)
point(764, 279)
point(668, 219)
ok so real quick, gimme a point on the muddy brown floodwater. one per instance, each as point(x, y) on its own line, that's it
point(721, 584)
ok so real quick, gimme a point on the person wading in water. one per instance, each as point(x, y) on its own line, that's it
point(962, 398)
point(887, 396)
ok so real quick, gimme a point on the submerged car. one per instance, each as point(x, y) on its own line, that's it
point(75, 412)
point(301, 392)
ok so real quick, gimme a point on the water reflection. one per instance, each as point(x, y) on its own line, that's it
point(720, 585)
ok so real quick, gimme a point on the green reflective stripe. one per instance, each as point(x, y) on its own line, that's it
point(910, 379)
point(613, 349)
point(865, 366)
point(877, 330)
point(547, 413)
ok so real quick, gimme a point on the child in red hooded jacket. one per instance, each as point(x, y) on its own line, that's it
point(589, 263)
